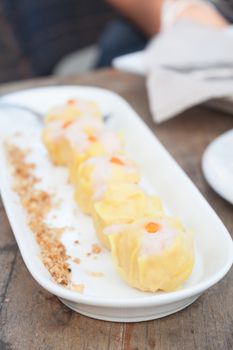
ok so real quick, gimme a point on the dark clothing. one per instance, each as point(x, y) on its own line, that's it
point(225, 7)
point(119, 38)
point(47, 30)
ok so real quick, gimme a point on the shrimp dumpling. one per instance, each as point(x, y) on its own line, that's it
point(100, 171)
point(152, 254)
point(73, 109)
point(87, 141)
point(121, 203)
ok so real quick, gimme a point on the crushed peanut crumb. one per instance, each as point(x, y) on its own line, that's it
point(96, 249)
point(76, 260)
point(95, 274)
point(78, 287)
point(37, 204)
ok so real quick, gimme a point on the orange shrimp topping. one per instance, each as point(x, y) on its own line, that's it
point(71, 101)
point(66, 124)
point(152, 227)
point(116, 160)
point(92, 138)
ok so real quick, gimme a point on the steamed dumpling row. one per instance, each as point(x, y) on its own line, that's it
point(150, 251)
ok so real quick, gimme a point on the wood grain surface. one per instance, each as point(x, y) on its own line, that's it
point(31, 318)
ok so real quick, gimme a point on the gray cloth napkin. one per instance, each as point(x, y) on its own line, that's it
point(187, 65)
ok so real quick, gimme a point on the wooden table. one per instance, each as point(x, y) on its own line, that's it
point(31, 318)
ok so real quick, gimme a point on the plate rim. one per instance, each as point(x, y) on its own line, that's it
point(205, 169)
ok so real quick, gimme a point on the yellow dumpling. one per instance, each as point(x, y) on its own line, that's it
point(152, 254)
point(97, 172)
point(74, 109)
point(92, 143)
point(72, 142)
point(53, 137)
point(121, 203)
point(64, 138)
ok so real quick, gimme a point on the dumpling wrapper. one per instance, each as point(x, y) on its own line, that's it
point(72, 142)
point(102, 171)
point(74, 109)
point(63, 138)
point(99, 142)
point(152, 261)
point(53, 137)
point(122, 203)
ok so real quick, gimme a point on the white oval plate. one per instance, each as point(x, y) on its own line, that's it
point(108, 297)
point(217, 165)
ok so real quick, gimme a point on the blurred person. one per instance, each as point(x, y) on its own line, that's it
point(144, 19)
point(36, 34)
